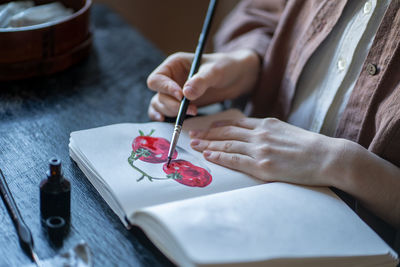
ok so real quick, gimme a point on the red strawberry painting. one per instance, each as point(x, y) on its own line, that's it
point(188, 174)
point(151, 149)
point(154, 150)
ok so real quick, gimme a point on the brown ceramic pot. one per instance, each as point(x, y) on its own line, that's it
point(45, 48)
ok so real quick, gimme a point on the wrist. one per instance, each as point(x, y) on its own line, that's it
point(250, 67)
point(345, 156)
point(334, 163)
point(250, 59)
point(370, 179)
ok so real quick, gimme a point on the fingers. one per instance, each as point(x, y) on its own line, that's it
point(155, 115)
point(234, 161)
point(162, 105)
point(169, 77)
point(207, 77)
point(165, 105)
point(248, 123)
point(163, 84)
point(223, 133)
point(224, 146)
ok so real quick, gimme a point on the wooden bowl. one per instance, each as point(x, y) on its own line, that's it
point(46, 48)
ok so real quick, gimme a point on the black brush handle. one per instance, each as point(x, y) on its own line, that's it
point(197, 58)
point(193, 70)
point(24, 234)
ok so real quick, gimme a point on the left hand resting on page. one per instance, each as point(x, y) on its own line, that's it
point(272, 150)
point(269, 149)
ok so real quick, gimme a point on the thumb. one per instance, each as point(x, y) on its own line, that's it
point(199, 83)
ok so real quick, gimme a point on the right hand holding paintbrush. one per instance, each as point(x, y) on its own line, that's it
point(221, 76)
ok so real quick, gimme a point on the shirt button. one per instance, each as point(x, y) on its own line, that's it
point(341, 64)
point(372, 69)
point(368, 7)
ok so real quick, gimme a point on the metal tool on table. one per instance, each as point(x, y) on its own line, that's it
point(24, 233)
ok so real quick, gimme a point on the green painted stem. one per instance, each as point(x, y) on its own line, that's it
point(133, 158)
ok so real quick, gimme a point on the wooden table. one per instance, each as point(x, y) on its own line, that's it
point(36, 118)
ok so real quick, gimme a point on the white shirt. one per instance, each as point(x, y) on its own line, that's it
point(330, 74)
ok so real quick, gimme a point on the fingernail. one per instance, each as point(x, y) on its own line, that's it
point(178, 95)
point(195, 142)
point(158, 116)
point(207, 153)
point(187, 89)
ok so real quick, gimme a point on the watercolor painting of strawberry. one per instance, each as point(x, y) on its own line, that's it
point(154, 150)
point(151, 149)
point(187, 173)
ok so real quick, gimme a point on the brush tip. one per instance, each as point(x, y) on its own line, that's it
point(35, 258)
point(169, 161)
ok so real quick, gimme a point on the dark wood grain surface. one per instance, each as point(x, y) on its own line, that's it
point(36, 118)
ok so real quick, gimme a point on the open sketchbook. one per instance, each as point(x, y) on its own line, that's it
point(199, 213)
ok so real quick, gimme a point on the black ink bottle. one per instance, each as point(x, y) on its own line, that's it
point(55, 194)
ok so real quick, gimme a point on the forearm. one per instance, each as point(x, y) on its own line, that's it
point(372, 180)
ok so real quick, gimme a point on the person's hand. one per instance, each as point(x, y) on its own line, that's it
point(270, 150)
point(221, 76)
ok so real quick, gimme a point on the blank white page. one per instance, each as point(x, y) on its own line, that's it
point(265, 222)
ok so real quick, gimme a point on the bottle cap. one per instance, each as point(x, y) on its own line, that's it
point(54, 172)
point(56, 229)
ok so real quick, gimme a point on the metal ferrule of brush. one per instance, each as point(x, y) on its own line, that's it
point(174, 141)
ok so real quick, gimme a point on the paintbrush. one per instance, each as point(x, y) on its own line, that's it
point(24, 233)
point(193, 69)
